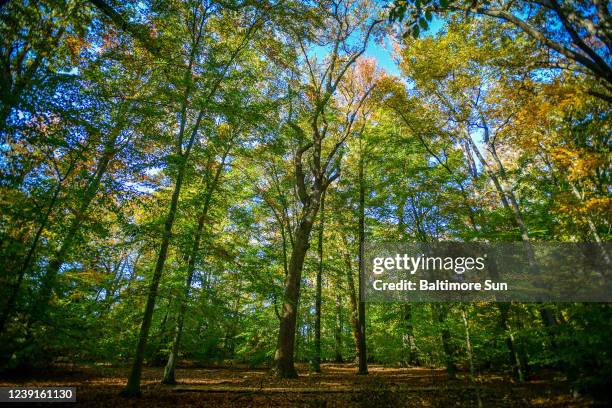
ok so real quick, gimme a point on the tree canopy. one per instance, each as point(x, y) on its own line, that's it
point(195, 179)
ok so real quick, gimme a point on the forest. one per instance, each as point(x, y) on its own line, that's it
point(187, 186)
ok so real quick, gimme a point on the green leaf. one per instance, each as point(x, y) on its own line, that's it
point(400, 14)
point(423, 23)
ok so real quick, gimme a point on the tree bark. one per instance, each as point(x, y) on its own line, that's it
point(363, 361)
point(319, 287)
point(132, 387)
point(338, 329)
point(169, 370)
point(517, 358)
point(353, 301)
point(284, 356)
point(412, 358)
point(468, 346)
point(440, 312)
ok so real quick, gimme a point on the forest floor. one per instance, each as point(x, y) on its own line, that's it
point(336, 386)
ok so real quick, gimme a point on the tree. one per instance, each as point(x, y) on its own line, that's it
point(582, 34)
point(140, 32)
point(324, 168)
point(211, 180)
point(33, 55)
point(198, 96)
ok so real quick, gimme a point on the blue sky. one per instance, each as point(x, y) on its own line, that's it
point(383, 53)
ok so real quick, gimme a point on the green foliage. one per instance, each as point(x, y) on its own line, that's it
point(91, 153)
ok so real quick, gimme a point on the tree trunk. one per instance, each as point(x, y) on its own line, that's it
point(169, 375)
point(338, 329)
point(468, 346)
point(412, 358)
point(319, 286)
point(518, 361)
point(353, 301)
point(363, 361)
point(518, 216)
point(284, 357)
point(133, 385)
point(161, 332)
point(5, 111)
point(449, 350)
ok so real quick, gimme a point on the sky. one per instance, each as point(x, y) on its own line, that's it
point(383, 53)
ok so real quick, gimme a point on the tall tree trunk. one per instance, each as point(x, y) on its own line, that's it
point(338, 329)
point(412, 358)
point(284, 356)
point(363, 360)
point(132, 387)
point(353, 301)
point(546, 315)
point(408, 336)
point(319, 287)
point(299, 339)
point(324, 170)
point(440, 313)
point(468, 346)
point(518, 360)
point(161, 332)
point(169, 370)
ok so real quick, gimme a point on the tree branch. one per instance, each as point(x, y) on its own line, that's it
point(299, 174)
point(138, 31)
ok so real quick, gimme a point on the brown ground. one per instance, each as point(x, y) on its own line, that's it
point(336, 386)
